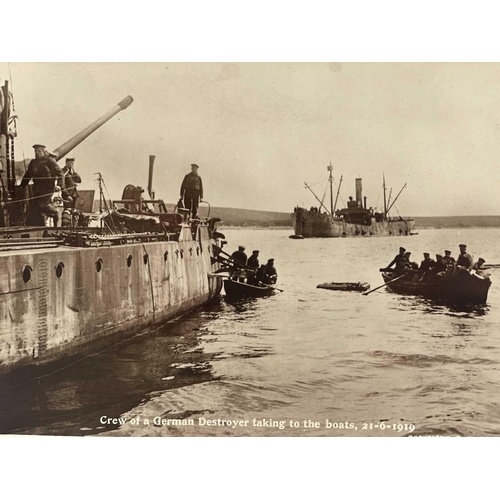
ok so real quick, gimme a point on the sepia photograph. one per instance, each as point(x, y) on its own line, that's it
point(249, 249)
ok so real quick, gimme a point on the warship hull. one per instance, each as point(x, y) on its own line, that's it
point(59, 303)
point(315, 224)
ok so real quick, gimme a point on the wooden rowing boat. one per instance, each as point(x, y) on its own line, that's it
point(237, 290)
point(462, 288)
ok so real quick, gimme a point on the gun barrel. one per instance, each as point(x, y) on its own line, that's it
point(65, 148)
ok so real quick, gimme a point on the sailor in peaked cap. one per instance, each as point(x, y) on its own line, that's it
point(192, 191)
point(71, 179)
point(464, 260)
point(448, 258)
point(253, 261)
point(427, 263)
point(398, 259)
point(44, 172)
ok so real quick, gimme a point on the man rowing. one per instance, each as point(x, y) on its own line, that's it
point(400, 257)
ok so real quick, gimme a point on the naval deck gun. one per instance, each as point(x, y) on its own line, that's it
point(13, 203)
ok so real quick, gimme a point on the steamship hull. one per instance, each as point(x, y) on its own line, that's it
point(310, 224)
point(57, 304)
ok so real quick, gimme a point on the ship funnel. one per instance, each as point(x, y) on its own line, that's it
point(359, 193)
point(364, 198)
point(150, 178)
point(65, 148)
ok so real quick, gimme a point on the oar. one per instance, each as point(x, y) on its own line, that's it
point(389, 282)
point(229, 263)
point(269, 286)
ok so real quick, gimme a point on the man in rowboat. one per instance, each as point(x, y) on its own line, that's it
point(448, 259)
point(270, 274)
point(239, 257)
point(464, 260)
point(253, 263)
point(440, 265)
point(400, 257)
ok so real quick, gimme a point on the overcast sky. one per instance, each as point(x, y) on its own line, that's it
point(258, 131)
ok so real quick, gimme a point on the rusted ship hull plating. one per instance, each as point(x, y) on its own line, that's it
point(321, 225)
point(63, 301)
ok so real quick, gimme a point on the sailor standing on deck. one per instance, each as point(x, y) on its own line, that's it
point(71, 179)
point(45, 172)
point(192, 191)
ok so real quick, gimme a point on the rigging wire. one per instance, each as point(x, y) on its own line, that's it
point(15, 122)
point(110, 205)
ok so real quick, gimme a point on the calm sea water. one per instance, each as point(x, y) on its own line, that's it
point(303, 362)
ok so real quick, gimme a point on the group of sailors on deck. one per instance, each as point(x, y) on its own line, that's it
point(444, 266)
point(251, 270)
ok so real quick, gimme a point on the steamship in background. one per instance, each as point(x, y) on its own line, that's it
point(355, 220)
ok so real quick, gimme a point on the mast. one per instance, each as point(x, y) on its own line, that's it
point(395, 199)
point(330, 179)
point(337, 197)
point(385, 202)
point(307, 186)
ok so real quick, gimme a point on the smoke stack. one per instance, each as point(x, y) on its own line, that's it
point(150, 179)
point(359, 193)
point(364, 197)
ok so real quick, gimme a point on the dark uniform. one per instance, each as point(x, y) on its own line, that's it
point(192, 191)
point(241, 257)
point(449, 260)
point(270, 275)
point(400, 257)
point(440, 264)
point(464, 260)
point(44, 172)
point(479, 264)
point(427, 264)
point(71, 179)
point(259, 277)
point(253, 262)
